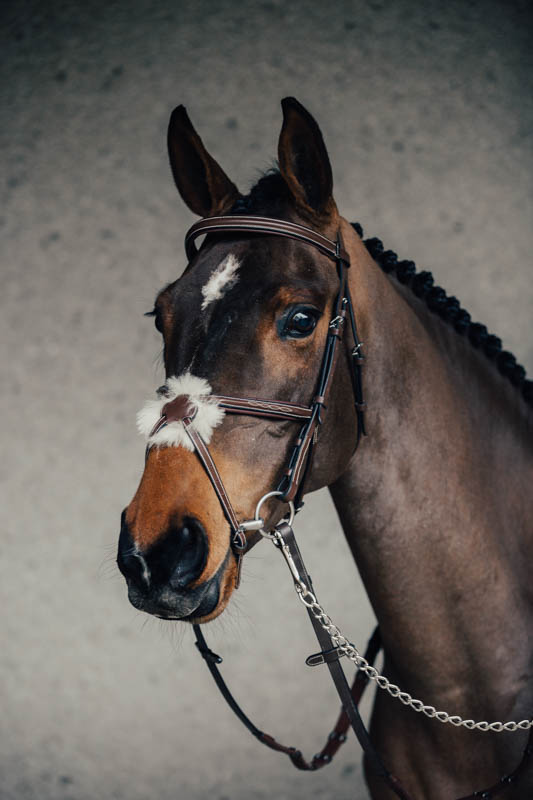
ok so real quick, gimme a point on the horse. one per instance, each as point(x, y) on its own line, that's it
point(430, 472)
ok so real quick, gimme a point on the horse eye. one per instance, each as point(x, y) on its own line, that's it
point(301, 322)
point(157, 319)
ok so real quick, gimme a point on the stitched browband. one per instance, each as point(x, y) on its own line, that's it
point(264, 225)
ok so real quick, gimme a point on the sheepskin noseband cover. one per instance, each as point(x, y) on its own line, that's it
point(208, 413)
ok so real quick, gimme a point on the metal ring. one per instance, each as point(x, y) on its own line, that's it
point(292, 511)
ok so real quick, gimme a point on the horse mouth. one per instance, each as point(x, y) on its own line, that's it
point(196, 604)
point(208, 604)
point(170, 605)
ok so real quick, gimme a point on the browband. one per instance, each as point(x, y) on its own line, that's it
point(268, 226)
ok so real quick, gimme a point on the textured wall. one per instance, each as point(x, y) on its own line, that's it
point(427, 112)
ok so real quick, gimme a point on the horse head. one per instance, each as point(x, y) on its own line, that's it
point(249, 318)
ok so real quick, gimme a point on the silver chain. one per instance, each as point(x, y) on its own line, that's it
point(350, 651)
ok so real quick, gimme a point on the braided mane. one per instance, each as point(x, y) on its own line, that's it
point(270, 195)
point(449, 309)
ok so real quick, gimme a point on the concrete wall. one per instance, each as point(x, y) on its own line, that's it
point(427, 112)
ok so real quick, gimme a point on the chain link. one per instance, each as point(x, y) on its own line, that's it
point(350, 651)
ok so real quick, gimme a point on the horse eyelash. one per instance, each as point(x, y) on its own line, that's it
point(151, 313)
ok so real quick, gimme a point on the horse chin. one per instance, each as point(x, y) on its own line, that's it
point(199, 604)
point(207, 604)
point(226, 584)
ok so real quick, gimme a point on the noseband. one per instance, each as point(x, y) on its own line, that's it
point(244, 534)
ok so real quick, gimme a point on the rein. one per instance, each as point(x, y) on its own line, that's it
point(245, 534)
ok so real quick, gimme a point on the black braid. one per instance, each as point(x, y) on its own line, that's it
point(421, 283)
point(449, 309)
point(405, 271)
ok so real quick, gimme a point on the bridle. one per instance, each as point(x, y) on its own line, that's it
point(180, 409)
point(246, 533)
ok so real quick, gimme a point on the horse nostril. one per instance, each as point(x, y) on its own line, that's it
point(180, 556)
point(177, 558)
point(134, 567)
point(192, 555)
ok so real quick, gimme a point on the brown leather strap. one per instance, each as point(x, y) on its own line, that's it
point(271, 409)
point(299, 466)
point(356, 372)
point(212, 471)
point(263, 225)
point(336, 738)
point(178, 409)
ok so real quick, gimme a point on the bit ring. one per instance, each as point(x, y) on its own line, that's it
point(266, 496)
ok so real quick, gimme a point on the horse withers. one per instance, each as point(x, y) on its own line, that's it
point(433, 500)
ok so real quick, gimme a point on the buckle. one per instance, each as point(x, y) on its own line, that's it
point(239, 541)
point(316, 659)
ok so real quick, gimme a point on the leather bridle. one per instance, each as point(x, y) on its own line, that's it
point(246, 533)
point(181, 409)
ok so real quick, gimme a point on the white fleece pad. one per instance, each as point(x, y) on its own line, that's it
point(208, 415)
point(221, 280)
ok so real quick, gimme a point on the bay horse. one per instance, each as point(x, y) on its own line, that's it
point(431, 473)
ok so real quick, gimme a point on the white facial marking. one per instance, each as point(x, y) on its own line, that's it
point(208, 416)
point(222, 279)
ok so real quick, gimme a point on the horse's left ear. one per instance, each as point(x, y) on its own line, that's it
point(304, 160)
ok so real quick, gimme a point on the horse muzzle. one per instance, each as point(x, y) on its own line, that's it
point(163, 580)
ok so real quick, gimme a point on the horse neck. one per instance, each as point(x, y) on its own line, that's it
point(434, 502)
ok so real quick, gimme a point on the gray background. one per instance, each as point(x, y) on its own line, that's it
point(426, 109)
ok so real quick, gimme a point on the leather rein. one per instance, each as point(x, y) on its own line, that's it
point(291, 489)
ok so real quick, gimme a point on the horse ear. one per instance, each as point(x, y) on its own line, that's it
point(303, 159)
point(202, 183)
